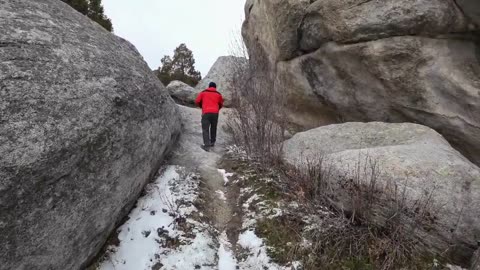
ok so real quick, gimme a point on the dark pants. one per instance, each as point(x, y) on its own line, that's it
point(209, 128)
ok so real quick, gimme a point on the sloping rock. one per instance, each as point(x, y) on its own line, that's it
point(223, 73)
point(411, 157)
point(390, 61)
point(476, 261)
point(84, 125)
point(471, 8)
point(182, 93)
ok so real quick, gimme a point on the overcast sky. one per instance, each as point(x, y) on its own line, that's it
point(157, 27)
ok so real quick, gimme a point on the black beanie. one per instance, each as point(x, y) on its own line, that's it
point(212, 84)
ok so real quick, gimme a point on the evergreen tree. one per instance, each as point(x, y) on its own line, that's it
point(96, 13)
point(164, 72)
point(180, 68)
point(93, 9)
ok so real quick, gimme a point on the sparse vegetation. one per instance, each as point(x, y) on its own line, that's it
point(258, 121)
point(367, 223)
point(321, 235)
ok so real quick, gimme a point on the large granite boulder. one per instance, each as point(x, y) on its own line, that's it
point(476, 261)
point(224, 73)
point(182, 93)
point(410, 157)
point(84, 125)
point(390, 61)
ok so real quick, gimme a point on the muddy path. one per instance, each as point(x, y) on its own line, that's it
point(193, 215)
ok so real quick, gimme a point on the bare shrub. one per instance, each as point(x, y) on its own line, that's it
point(373, 222)
point(258, 121)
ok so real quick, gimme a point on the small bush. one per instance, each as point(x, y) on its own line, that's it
point(372, 225)
point(259, 123)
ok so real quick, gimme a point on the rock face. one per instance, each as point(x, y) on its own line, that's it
point(476, 261)
point(182, 93)
point(391, 61)
point(84, 125)
point(223, 73)
point(408, 155)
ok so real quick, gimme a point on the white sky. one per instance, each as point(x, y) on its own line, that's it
point(157, 27)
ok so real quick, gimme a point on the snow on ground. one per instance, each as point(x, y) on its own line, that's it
point(226, 259)
point(221, 195)
point(225, 176)
point(201, 252)
point(145, 237)
point(258, 258)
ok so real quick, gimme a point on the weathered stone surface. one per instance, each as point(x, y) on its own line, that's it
point(358, 20)
point(408, 155)
point(476, 261)
point(84, 124)
point(275, 25)
point(182, 93)
point(471, 8)
point(397, 79)
point(390, 61)
point(223, 73)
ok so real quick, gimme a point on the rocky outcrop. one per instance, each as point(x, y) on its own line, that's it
point(182, 93)
point(410, 157)
point(84, 125)
point(391, 61)
point(224, 72)
point(476, 261)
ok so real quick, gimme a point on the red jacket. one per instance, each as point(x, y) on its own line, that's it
point(210, 101)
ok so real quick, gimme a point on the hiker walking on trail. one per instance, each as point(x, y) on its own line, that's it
point(211, 102)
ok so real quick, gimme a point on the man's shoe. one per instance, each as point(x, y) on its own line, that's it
point(205, 148)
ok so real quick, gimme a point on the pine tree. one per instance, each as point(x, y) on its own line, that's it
point(80, 5)
point(93, 9)
point(96, 13)
point(165, 71)
point(180, 68)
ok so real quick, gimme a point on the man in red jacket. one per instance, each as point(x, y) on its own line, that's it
point(211, 102)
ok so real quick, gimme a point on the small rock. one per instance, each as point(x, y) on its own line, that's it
point(161, 231)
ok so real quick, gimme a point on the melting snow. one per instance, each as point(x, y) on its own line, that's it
point(226, 260)
point(151, 222)
point(152, 225)
point(258, 258)
point(225, 176)
point(221, 195)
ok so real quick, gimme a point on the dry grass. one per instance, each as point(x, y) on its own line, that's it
point(372, 224)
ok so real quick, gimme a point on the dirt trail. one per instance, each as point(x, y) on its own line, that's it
point(190, 155)
point(191, 216)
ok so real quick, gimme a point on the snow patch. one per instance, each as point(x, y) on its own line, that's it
point(201, 252)
point(225, 176)
point(226, 259)
point(143, 237)
point(258, 258)
point(250, 240)
point(221, 195)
